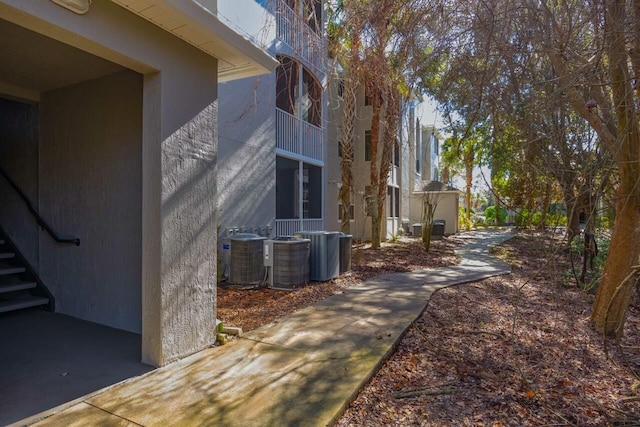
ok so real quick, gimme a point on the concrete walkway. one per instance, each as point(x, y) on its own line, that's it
point(301, 371)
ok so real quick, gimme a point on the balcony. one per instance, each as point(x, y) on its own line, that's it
point(298, 137)
point(296, 33)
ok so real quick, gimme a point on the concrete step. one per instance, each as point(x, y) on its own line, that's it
point(7, 255)
point(4, 270)
point(21, 303)
point(16, 285)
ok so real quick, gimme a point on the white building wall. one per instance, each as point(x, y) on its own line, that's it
point(247, 123)
point(247, 172)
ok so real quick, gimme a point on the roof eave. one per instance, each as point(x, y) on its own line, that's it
point(238, 57)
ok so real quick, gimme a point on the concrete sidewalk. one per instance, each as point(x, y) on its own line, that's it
point(302, 370)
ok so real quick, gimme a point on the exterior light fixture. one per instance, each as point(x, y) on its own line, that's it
point(77, 6)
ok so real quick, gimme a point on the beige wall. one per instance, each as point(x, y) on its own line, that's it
point(447, 209)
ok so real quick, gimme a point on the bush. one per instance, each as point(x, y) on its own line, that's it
point(491, 212)
point(524, 218)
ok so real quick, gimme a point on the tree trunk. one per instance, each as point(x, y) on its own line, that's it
point(347, 142)
point(468, 167)
point(610, 307)
point(546, 202)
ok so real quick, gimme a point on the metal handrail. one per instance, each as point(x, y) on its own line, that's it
point(41, 222)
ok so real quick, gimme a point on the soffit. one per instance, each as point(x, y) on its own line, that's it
point(237, 56)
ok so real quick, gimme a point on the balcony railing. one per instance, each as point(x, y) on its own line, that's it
point(297, 136)
point(295, 32)
point(393, 176)
point(289, 227)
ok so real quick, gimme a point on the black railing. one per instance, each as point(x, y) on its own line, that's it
point(41, 222)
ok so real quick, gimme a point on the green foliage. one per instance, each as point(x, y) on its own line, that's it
point(492, 214)
point(593, 276)
point(524, 218)
point(604, 222)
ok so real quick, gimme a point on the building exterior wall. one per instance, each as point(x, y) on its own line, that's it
point(253, 130)
point(446, 209)
point(177, 188)
point(247, 159)
point(90, 186)
point(19, 159)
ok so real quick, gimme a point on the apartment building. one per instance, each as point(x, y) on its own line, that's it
point(272, 142)
point(108, 139)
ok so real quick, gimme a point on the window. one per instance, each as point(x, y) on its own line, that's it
point(298, 190)
point(286, 189)
point(351, 212)
point(418, 147)
point(341, 89)
point(367, 145)
point(311, 191)
point(311, 99)
point(288, 88)
point(393, 202)
point(367, 99)
point(286, 85)
point(312, 13)
point(396, 154)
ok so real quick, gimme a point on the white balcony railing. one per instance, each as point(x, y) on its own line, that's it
point(297, 136)
point(393, 176)
point(289, 227)
point(295, 32)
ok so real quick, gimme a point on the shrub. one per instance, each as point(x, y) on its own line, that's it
point(491, 212)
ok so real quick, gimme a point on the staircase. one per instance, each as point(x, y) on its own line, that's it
point(20, 287)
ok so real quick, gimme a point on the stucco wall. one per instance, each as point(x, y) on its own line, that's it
point(447, 209)
point(19, 159)
point(90, 187)
point(246, 147)
point(179, 143)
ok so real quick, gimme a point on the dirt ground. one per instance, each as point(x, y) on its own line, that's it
point(515, 350)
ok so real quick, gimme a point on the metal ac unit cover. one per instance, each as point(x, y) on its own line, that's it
point(290, 262)
point(245, 259)
point(324, 255)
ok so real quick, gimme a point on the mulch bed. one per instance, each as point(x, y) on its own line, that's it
point(515, 350)
point(250, 309)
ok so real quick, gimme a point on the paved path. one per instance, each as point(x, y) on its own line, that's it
point(301, 371)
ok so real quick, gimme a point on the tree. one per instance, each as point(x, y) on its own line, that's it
point(549, 69)
point(386, 41)
point(430, 201)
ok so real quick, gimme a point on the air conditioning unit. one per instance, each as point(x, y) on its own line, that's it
point(287, 259)
point(245, 259)
point(324, 254)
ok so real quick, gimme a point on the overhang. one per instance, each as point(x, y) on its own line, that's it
point(199, 25)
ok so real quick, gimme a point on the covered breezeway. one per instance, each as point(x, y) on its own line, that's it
point(51, 359)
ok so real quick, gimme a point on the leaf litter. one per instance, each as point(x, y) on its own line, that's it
point(514, 350)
